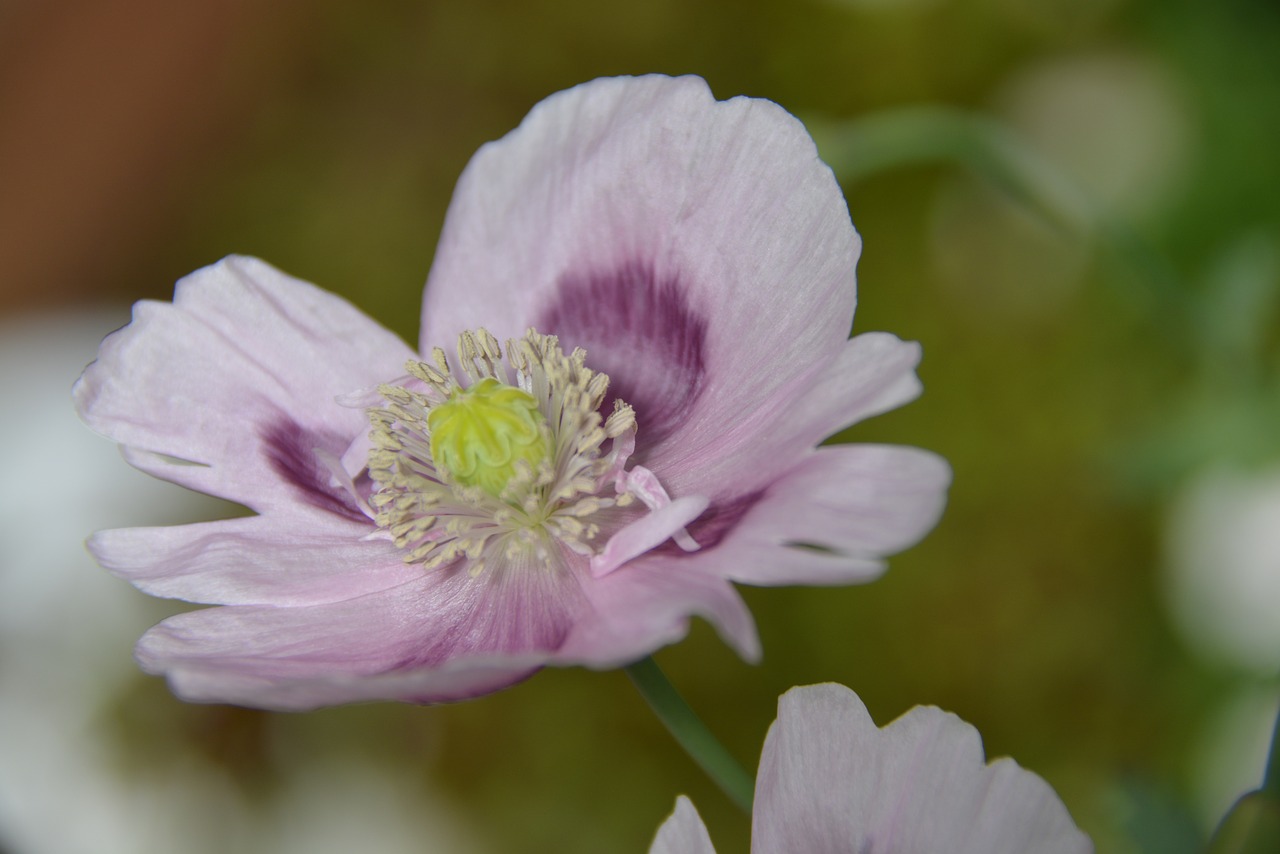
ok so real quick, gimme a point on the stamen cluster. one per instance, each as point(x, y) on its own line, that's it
point(435, 518)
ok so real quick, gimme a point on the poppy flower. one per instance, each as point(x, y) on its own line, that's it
point(831, 780)
point(649, 294)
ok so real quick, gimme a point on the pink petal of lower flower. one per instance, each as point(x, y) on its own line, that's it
point(253, 560)
point(830, 780)
point(683, 832)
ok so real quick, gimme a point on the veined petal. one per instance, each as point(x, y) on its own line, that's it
point(829, 520)
point(256, 560)
point(461, 680)
point(699, 250)
point(420, 642)
point(647, 605)
point(830, 780)
point(869, 374)
point(860, 500)
point(649, 530)
point(683, 832)
point(229, 389)
point(872, 373)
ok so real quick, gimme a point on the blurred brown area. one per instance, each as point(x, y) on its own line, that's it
point(109, 112)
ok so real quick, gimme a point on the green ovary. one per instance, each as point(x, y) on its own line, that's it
point(480, 434)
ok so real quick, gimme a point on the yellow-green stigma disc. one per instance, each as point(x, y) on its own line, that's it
point(480, 433)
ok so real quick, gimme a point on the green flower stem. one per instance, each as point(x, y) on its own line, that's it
point(691, 733)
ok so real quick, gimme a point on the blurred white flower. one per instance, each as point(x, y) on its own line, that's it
point(1222, 584)
point(1222, 548)
point(1116, 123)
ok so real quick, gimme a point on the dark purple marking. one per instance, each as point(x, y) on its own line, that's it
point(715, 523)
point(639, 329)
point(291, 451)
point(504, 611)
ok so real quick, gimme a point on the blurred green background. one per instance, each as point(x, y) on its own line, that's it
point(1086, 241)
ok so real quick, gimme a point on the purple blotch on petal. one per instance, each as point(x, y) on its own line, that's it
point(715, 523)
point(502, 611)
point(638, 328)
point(291, 451)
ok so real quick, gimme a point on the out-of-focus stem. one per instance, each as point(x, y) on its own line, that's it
point(691, 733)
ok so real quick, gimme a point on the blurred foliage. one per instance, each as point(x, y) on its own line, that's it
point(1069, 392)
point(1253, 827)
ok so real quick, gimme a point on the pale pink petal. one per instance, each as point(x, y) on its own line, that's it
point(870, 374)
point(269, 560)
point(699, 250)
point(453, 681)
point(229, 389)
point(859, 500)
point(647, 605)
point(830, 780)
point(683, 832)
point(420, 642)
point(832, 518)
point(768, 565)
point(651, 529)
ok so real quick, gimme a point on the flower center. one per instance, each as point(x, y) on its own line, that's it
point(469, 461)
point(480, 433)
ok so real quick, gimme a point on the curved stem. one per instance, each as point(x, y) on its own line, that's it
point(691, 733)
